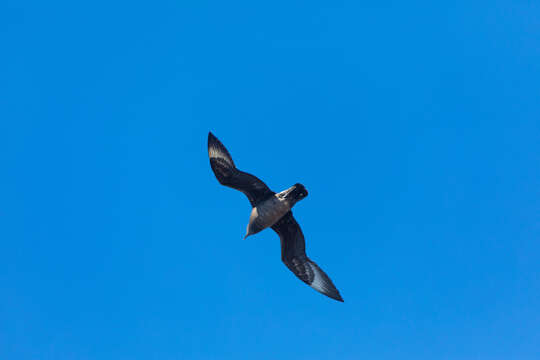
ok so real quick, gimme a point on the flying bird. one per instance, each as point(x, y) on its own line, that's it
point(270, 209)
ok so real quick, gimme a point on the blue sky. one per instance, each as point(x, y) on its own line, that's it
point(415, 127)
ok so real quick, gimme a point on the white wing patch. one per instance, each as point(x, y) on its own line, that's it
point(216, 152)
point(318, 282)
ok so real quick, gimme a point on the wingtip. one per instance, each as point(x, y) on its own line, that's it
point(217, 150)
point(213, 141)
point(336, 296)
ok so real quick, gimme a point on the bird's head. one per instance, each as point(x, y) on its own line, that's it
point(295, 193)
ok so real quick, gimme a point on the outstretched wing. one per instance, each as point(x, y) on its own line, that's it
point(227, 174)
point(293, 254)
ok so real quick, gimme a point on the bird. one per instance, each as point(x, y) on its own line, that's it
point(270, 209)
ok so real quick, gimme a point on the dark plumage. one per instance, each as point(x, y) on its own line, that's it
point(272, 210)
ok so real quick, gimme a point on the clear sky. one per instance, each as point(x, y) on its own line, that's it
point(415, 127)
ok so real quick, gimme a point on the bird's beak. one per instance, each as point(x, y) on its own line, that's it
point(285, 193)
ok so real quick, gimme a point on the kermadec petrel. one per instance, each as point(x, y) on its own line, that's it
point(272, 210)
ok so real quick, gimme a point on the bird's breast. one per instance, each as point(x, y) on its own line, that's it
point(269, 212)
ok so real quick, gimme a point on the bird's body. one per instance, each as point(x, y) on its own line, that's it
point(267, 213)
point(272, 210)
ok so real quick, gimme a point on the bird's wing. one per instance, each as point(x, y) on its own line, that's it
point(293, 254)
point(227, 174)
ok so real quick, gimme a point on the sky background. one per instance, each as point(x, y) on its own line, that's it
point(415, 127)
